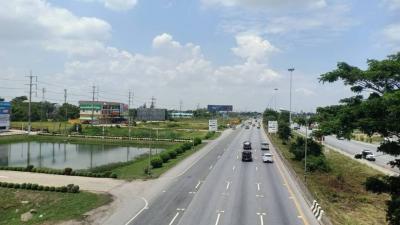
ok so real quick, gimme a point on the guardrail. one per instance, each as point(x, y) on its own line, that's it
point(118, 138)
point(317, 210)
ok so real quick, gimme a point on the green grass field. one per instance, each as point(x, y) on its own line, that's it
point(51, 207)
point(341, 192)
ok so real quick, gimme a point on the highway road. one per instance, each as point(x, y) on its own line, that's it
point(221, 189)
point(353, 147)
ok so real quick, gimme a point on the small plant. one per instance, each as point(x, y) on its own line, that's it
point(165, 157)
point(114, 175)
point(35, 186)
point(52, 188)
point(29, 168)
point(156, 162)
point(172, 154)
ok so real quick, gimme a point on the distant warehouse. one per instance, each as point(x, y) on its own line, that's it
point(151, 114)
point(102, 112)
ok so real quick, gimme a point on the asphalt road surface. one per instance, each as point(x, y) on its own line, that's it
point(221, 189)
point(353, 147)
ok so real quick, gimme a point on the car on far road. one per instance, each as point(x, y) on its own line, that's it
point(267, 158)
point(247, 127)
point(264, 146)
point(247, 145)
point(365, 154)
point(247, 156)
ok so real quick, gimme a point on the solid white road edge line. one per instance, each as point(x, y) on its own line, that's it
point(146, 206)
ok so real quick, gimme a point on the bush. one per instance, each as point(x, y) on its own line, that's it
point(75, 189)
point(297, 148)
point(46, 188)
point(186, 146)
point(63, 189)
point(17, 186)
point(28, 186)
point(317, 163)
point(29, 168)
point(179, 150)
point(67, 171)
point(35, 186)
point(172, 154)
point(40, 188)
point(114, 175)
point(10, 185)
point(4, 184)
point(164, 156)
point(23, 186)
point(197, 141)
point(52, 188)
point(156, 162)
point(209, 135)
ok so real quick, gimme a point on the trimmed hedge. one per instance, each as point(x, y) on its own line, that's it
point(67, 171)
point(70, 188)
point(165, 156)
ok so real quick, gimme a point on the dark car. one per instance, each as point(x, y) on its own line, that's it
point(247, 145)
point(247, 156)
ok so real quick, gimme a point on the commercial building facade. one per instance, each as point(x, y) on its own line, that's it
point(102, 112)
point(5, 111)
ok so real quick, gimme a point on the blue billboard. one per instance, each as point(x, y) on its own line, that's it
point(220, 108)
point(5, 107)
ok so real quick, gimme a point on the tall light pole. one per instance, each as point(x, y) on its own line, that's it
point(305, 152)
point(275, 89)
point(290, 101)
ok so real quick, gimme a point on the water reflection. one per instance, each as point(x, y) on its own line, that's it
point(61, 155)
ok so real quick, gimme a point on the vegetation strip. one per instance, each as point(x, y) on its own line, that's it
point(70, 188)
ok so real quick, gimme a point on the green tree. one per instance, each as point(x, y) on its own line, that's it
point(284, 131)
point(69, 110)
point(270, 115)
point(374, 109)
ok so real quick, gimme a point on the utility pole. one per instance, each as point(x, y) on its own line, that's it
point(180, 105)
point(153, 102)
point(43, 101)
point(129, 116)
point(65, 104)
point(30, 99)
point(93, 92)
point(290, 101)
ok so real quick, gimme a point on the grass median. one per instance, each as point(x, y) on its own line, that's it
point(51, 207)
point(341, 192)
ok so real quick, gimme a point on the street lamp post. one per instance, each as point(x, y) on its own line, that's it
point(290, 101)
point(275, 89)
point(305, 152)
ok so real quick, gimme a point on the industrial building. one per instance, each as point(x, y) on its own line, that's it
point(151, 114)
point(102, 112)
point(181, 115)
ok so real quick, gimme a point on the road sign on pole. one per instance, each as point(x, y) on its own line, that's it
point(212, 125)
point(272, 126)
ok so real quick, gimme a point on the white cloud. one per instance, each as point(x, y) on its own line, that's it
point(393, 4)
point(35, 21)
point(391, 34)
point(267, 3)
point(305, 91)
point(253, 47)
point(116, 5)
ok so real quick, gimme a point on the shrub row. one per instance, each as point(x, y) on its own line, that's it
point(166, 155)
point(66, 171)
point(209, 134)
point(70, 188)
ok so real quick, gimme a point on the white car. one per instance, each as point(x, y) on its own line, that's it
point(267, 158)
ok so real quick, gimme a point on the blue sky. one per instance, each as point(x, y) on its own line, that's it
point(198, 51)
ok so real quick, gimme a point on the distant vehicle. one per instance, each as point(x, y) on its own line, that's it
point(247, 145)
point(247, 127)
point(258, 127)
point(247, 156)
point(254, 125)
point(296, 128)
point(365, 154)
point(264, 146)
point(267, 158)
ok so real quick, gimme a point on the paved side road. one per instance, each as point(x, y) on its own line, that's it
point(351, 147)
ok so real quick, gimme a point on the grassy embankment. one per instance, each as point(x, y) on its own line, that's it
point(341, 191)
point(53, 206)
point(136, 169)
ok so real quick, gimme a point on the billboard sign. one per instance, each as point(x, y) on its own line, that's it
point(5, 107)
point(4, 121)
point(212, 125)
point(219, 108)
point(272, 126)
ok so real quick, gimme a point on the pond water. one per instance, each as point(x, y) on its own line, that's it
point(62, 155)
